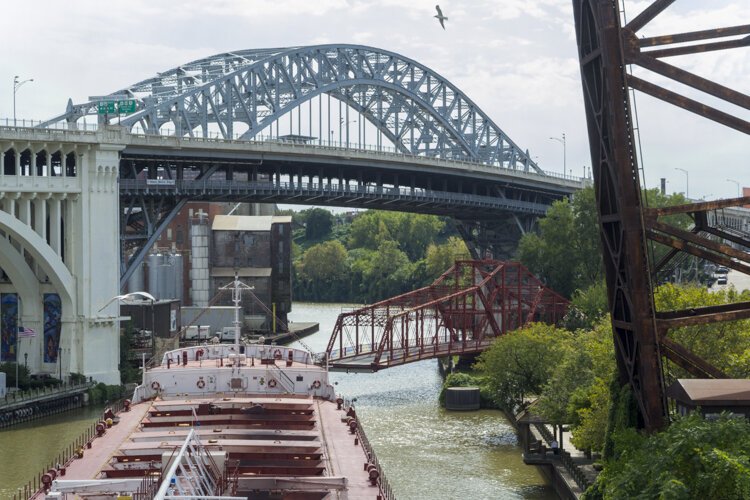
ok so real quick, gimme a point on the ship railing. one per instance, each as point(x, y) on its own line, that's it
point(385, 487)
point(75, 449)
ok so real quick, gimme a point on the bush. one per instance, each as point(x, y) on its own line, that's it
point(693, 458)
point(102, 393)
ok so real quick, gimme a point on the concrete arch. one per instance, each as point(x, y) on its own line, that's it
point(48, 260)
point(23, 279)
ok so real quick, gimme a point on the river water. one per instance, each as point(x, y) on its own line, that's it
point(426, 452)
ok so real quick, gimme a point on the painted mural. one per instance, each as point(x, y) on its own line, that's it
point(8, 326)
point(52, 326)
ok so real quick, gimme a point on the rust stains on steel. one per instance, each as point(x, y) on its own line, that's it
point(606, 49)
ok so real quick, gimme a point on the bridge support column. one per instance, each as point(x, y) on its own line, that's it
point(93, 342)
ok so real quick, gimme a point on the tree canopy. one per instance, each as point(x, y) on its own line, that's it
point(371, 255)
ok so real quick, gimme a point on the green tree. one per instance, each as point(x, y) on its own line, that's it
point(577, 391)
point(441, 257)
point(413, 232)
point(587, 307)
point(518, 364)
point(725, 344)
point(692, 458)
point(323, 271)
point(318, 223)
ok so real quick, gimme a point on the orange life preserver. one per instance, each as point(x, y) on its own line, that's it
point(316, 384)
point(271, 383)
point(201, 383)
point(155, 385)
point(277, 354)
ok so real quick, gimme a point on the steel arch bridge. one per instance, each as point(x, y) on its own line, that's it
point(241, 94)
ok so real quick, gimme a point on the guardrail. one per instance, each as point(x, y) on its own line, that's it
point(12, 398)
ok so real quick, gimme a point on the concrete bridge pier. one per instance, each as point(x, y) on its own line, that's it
point(59, 250)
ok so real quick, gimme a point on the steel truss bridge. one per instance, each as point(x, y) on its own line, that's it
point(340, 125)
point(608, 47)
point(462, 312)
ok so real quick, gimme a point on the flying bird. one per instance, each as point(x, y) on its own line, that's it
point(440, 17)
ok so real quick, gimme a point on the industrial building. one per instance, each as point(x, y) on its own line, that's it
point(199, 252)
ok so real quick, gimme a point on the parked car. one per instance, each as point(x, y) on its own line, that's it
point(722, 281)
point(722, 270)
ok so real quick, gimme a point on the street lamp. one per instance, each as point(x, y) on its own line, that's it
point(738, 186)
point(17, 85)
point(565, 152)
point(687, 181)
point(130, 296)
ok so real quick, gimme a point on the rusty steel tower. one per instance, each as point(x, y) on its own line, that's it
point(606, 48)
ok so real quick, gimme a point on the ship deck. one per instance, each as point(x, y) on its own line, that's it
point(299, 445)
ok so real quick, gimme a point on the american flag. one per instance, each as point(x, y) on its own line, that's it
point(24, 331)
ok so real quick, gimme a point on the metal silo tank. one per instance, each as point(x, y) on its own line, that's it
point(179, 268)
point(136, 280)
point(152, 262)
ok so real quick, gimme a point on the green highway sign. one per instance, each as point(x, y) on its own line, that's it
point(106, 108)
point(116, 107)
point(126, 106)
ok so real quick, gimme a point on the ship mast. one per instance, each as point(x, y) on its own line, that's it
point(237, 286)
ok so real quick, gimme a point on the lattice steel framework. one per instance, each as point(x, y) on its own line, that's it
point(462, 312)
point(606, 48)
point(243, 92)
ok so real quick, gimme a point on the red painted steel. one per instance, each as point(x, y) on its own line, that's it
point(462, 312)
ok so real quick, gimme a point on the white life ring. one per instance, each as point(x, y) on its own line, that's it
point(155, 385)
point(271, 383)
point(316, 384)
point(201, 383)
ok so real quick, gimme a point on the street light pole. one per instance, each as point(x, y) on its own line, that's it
point(738, 186)
point(565, 151)
point(17, 85)
point(687, 181)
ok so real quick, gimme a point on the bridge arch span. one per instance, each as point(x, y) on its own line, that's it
point(417, 109)
point(25, 282)
point(44, 256)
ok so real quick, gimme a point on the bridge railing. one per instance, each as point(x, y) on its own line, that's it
point(365, 149)
point(142, 186)
point(26, 123)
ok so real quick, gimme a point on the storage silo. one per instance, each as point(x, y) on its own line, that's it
point(199, 281)
point(136, 281)
point(153, 261)
point(179, 267)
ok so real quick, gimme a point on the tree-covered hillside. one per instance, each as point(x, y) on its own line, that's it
point(368, 256)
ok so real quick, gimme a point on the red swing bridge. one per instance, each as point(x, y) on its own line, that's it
point(462, 312)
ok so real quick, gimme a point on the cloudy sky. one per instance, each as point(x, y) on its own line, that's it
point(515, 58)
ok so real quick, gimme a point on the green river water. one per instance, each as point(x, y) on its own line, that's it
point(427, 452)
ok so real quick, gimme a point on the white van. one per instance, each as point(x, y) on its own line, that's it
point(227, 333)
point(198, 332)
